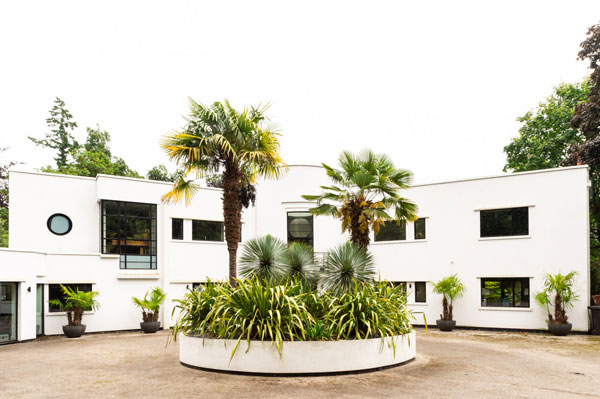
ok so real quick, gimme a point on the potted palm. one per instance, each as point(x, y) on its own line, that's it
point(150, 306)
point(74, 303)
point(451, 288)
point(559, 287)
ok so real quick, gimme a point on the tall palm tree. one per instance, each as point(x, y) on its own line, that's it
point(219, 139)
point(364, 193)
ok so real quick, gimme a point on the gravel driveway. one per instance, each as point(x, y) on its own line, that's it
point(460, 364)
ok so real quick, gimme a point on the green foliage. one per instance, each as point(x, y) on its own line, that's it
point(290, 311)
point(299, 260)
point(150, 304)
point(95, 158)
point(75, 302)
point(3, 227)
point(364, 192)
point(262, 257)
point(345, 266)
point(546, 137)
point(451, 288)
point(160, 173)
point(558, 292)
point(59, 138)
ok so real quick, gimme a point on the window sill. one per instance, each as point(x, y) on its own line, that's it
point(64, 314)
point(417, 304)
point(138, 275)
point(506, 308)
point(110, 256)
point(504, 238)
point(198, 242)
point(397, 242)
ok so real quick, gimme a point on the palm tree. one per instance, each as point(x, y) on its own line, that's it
point(262, 257)
point(451, 288)
point(561, 286)
point(219, 139)
point(363, 191)
point(150, 306)
point(346, 265)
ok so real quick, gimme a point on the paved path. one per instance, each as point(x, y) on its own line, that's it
point(461, 364)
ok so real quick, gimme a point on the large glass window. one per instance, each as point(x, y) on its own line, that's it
point(505, 292)
point(420, 229)
point(177, 229)
point(129, 229)
point(391, 231)
point(204, 230)
point(504, 222)
point(300, 227)
point(8, 312)
point(56, 292)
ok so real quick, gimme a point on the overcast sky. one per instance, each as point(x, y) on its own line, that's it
point(437, 85)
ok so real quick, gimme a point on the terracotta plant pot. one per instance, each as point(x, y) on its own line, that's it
point(559, 328)
point(596, 300)
point(445, 325)
point(150, 327)
point(74, 331)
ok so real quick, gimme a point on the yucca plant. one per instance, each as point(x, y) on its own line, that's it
point(559, 287)
point(263, 258)
point(150, 304)
point(75, 302)
point(299, 260)
point(451, 288)
point(344, 266)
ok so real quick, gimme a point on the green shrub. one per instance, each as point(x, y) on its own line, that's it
point(345, 266)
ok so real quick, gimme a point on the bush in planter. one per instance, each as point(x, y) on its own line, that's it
point(74, 303)
point(559, 287)
point(150, 307)
point(451, 288)
point(292, 310)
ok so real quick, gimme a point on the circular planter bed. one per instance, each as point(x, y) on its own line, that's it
point(298, 357)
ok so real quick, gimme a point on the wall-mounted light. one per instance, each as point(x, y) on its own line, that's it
point(29, 289)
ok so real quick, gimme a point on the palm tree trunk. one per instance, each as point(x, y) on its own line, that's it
point(358, 236)
point(232, 214)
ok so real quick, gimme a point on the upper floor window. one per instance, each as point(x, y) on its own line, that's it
point(205, 230)
point(505, 292)
point(59, 224)
point(129, 229)
point(391, 231)
point(504, 222)
point(420, 229)
point(300, 227)
point(177, 229)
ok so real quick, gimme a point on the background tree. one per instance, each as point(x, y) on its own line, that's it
point(59, 138)
point(364, 190)
point(238, 145)
point(160, 173)
point(4, 201)
point(546, 137)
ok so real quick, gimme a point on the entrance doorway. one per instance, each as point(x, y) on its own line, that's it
point(8, 312)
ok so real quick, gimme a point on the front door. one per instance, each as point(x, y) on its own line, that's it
point(8, 312)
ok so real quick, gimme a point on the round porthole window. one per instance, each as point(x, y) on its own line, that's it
point(59, 224)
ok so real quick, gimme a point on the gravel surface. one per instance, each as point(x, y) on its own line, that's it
point(461, 364)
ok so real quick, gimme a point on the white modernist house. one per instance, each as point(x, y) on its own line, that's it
point(500, 234)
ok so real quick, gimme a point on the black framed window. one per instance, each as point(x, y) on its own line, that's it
point(505, 292)
point(300, 227)
point(420, 291)
point(129, 229)
point(59, 224)
point(204, 230)
point(177, 229)
point(391, 231)
point(420, 229)
point(504, 222)
point(56, 292)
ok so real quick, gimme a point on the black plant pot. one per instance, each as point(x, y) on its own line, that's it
point(559, 329)
point(74, 331)
point(445, 325)
point(150, 327)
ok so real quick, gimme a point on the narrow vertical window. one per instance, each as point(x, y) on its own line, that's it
point(420, 291)
point(177, 229)
point(300, 227)
point(420, 229)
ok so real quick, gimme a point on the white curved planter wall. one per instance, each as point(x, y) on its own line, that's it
point(298, 357)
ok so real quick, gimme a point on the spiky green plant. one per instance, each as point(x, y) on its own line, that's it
point(75, 302)
point(346, 265)
point(559, 286)
point(299, 260)
point(263, 257)
point(451, 288)
point(150, 304)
